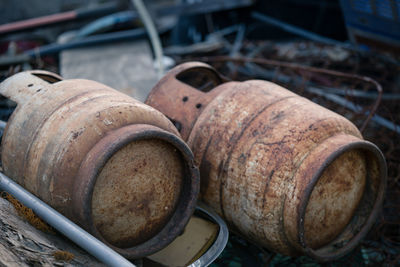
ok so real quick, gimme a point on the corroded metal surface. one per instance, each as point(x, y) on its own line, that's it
point(103, 159)
point(344, 182)
point(284, 172)
point(145, 203)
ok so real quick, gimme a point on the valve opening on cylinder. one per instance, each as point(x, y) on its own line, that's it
point(202, 79)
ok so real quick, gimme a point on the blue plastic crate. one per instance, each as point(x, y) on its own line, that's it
point(384, 9)
point(377, 20)
point(363, 6)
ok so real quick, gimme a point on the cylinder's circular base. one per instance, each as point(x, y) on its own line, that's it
point(358, 196)
point(136, 189)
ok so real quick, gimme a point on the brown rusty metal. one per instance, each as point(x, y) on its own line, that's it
point(295, 66)
point(110, 163)
point(283, 171)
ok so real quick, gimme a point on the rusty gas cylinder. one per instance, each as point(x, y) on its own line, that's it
point(284, 172)
point(112, 164)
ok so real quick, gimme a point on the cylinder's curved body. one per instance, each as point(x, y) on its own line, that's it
point(283, 171)
point(110, 163)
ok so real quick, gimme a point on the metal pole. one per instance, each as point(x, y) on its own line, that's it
point(62, 224)
point(24, 25)
point(87, 41)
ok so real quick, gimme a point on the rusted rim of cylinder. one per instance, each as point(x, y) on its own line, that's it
point(102, 152)
point(360, 229)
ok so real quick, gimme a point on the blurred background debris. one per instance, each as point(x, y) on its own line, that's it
point(342, 54)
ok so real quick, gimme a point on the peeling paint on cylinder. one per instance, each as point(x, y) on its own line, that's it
point(283, 171)
point(110, 163)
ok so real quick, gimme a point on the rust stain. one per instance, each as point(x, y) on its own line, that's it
point(63, 255)
point(28, 214)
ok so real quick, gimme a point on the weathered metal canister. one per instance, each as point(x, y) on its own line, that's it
point(112, 164)
point(283, 171)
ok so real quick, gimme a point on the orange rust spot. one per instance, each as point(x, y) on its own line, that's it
point(28, 214)
point(61, 255)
